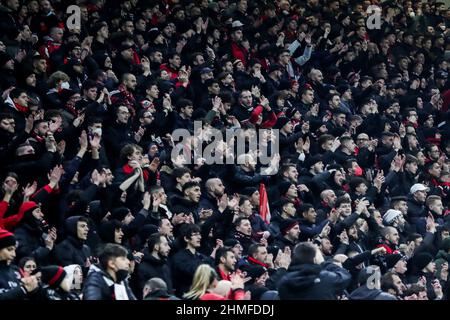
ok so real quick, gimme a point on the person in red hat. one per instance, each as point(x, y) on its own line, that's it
point(12, 287)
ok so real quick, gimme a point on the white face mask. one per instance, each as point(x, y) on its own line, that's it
point(97, 131)
point(65, 85)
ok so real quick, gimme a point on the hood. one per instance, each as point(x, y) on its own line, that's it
point(301, 277)
point(107, 230)
point(71, 226)
point(364, 293)
point(443, 255)
point(25, 212)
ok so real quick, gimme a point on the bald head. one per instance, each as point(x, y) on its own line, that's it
point(215, 187)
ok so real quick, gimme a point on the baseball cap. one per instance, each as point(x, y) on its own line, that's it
point(418, 187)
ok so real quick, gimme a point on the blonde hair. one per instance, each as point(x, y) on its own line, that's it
point(203, 278)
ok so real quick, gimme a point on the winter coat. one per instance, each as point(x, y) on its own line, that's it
point(183, 265)
point(364, 293)
point(72, 250)
point(10, 284)
point(313, 282)
point(100, 286)
point(150, 267)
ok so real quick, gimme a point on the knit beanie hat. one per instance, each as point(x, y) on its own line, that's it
point(119, 213)
point(421, 260)
point(53, 275)
point(7, 239)
point(284, 186)
point(286, 225)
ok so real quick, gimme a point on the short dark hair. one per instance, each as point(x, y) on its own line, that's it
point(110, 251)
point(341, 200)
point(304, 253)
point(153, 240)
point(183, 103)
point(127, 151)
point(222, 252)
point(186, 230)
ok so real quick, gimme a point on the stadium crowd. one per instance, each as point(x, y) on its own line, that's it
point(94, 205)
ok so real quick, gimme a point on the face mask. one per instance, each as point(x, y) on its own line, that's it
point(65, 85)
point(97, 131)
point(358, 171)
point(121, 275)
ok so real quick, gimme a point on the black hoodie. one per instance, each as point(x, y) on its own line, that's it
point(72, 250)
point(313, 282)
point(150, 267)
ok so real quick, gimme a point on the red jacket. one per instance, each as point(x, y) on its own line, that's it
point(14, 220)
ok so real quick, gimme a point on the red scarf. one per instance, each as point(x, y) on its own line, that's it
point(254, 261)
point(20, 108)
point(129, 170)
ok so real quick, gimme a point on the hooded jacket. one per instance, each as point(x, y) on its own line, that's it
point(313, 282)
point(72, 250)
point(30, 236)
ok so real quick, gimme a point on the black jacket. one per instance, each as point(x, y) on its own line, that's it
point(150, 267)
point(10, 285)
point(183, 265)
point(31, 243)
point(100, 286)
point(72, 250)
point(313, 282)
point(364, 293)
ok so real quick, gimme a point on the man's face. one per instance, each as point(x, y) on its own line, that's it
point(246, 99)
point(38, 214)
point(8, 125)
point(82, 230)
point(237, 35)
point(245, 227)
point(184, 178)
point(163, 247)
point(246, 208)
point(292, 174)
point(131, 82)
point(41, 66)
point(57, 35)
point(127, 54)
point(195, 240)
point(261, 254)
point(194, 194)
point(420, 196)
point(330, 198)
point(393, 237)
point(412, 167)
point(128, 218)
point(326, 247)
point(310, 215)
point(118, 235)
point(345, 209)
point(136, 155)
point(437, 207)
point(175, 61)
point(339, 119)
point(353, 232)
point(166, 228)
point(123, 115)
point(435, 170)
point(229, 261)
point(431, 267)
point(294, 232)
point(214, 89)
point(400, 267)
point(91, 93)
point(292, 192)
point(121, 263)
point(339, 178)
point(318, 167)
point(42, 129)
point(398, 284)
point(289, 209)
point(22, 99)
point(187, 111)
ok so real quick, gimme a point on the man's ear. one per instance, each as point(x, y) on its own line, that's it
point(111, 265)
